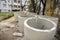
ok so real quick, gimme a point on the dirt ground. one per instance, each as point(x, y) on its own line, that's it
point(7, 28)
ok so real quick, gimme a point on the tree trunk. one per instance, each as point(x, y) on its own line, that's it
point(39, 7)
point(44, 5)
point(33, 5)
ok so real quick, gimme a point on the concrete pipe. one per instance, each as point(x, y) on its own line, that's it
point(16, 16)
point(54, 19)
point(40, 29)
point(21, 18)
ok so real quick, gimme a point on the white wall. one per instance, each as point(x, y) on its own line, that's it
point(6, 6)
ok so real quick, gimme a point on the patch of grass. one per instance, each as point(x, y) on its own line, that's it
point(6, 15)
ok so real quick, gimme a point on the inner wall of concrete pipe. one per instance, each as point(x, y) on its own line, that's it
point(41, 24)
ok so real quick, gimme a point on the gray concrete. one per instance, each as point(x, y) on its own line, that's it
point(54, 19)
point(43, 29)
point(21, 17)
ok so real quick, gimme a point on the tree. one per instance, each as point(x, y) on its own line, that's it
point(22, 6)
point(33, 6)
point(53, 6)
point(36, 6)
point(44, 5)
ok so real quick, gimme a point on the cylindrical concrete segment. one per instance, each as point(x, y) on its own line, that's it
point(43, 29)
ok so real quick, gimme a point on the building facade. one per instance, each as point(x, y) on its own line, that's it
point(9, 5)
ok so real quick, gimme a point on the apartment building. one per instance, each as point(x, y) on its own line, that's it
point(15, 4)
point(9, 5)
point(3, 6)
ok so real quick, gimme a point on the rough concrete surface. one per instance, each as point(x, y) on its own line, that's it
point(7, 28)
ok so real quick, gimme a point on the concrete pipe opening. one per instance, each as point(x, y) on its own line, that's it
point(42, 29)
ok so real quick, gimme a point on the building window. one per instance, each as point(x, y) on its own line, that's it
point(4, 0)
point(0, 10)
point(4, 5)
point(15, 6)
point(18, 6)
point(15, 0)
point(9, 1)
point(18, 1)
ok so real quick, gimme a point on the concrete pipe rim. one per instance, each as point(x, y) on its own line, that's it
point(25, 16)
point(40, 30)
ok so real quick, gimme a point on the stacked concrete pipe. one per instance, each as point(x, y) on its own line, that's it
point(22, 16)
point(43, 29)
point(54, 19)
point(16, 15)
